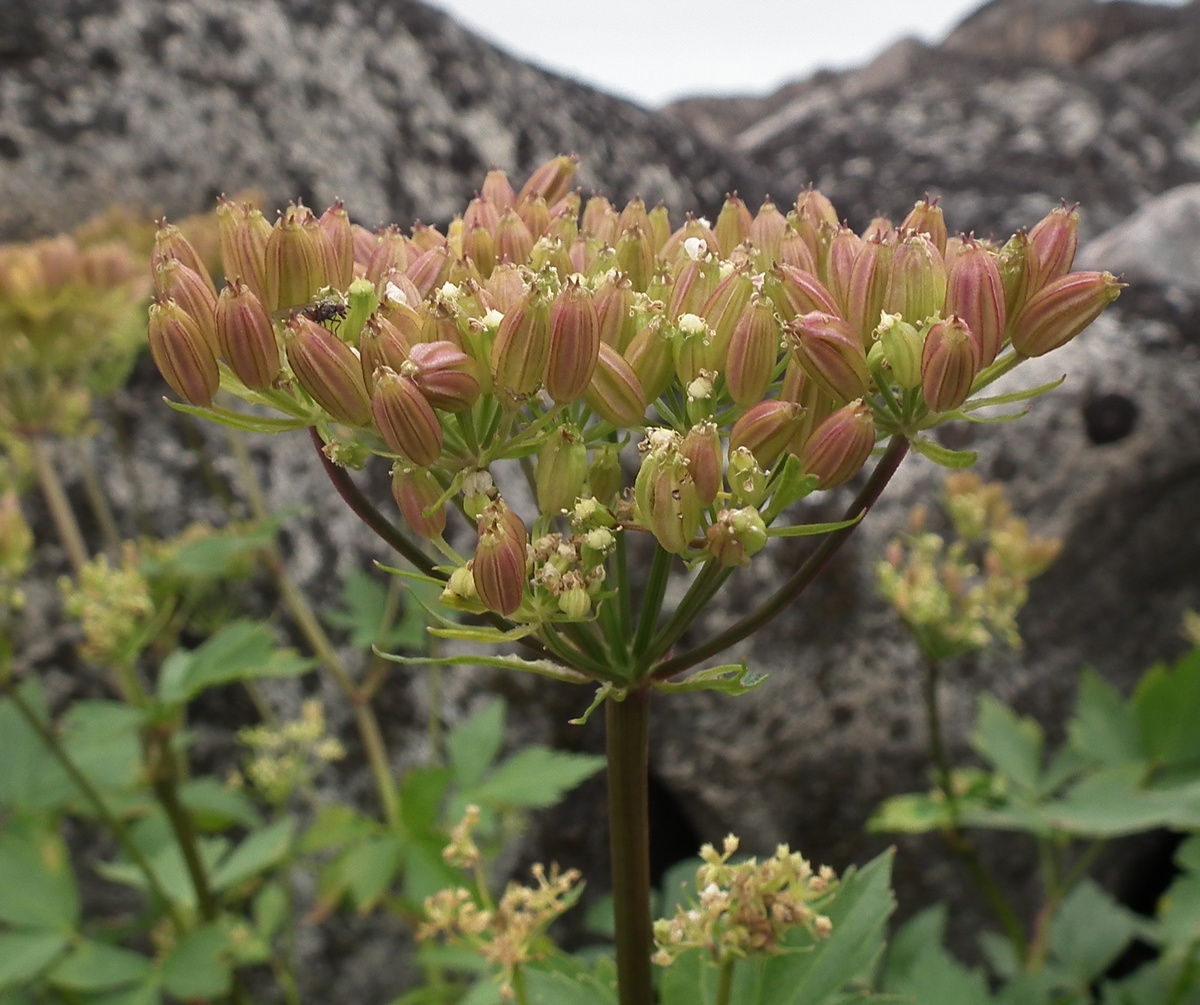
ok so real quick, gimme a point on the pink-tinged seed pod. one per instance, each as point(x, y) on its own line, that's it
point(634, 215)
point(798, 292)
point(505, 287)
point(295, 260)
point(1018, 265)
point(426, 238)
point(667, 501)
point(651, 357)
point(497, 190)
point(551, 181)
point(521, 349)
point(479, 247)
point(175, 281)
point(753, 352)
point(916, 286)
point(183, 356)
point(701, 448)
point(949, 362)
point(440, 324)
point(843, 253)
point(390, 252)
point(692, 228)
point(975, 293)
point(364, 245)
point(599, 220)
point(748, 482)
point(535, 214)
point(690, 349)
point(694, 284)
point(926, 218)
point(660, 227)
point(812, 206)
point(108, 264)
point(794, 251)
point(574, 344)
point(840, 446)
point(733, 224)
point(722, 310)
point(831, 353)
point(499, 568)
point(514, 242)
point(417, 492)
point(480, 213)
point(868, 285)
point(381, 343)
point(614, 311)
point(328, 370)
point(405, 419)
point(736, 535)
point(615, 393)
point(246, 337)
point(1055, 239)
point(562, 468)
point(635, 257)
point(880, 229)
point(338, 245)
point(766, 430)
point(605, 477)
point(429, 270)
point(564, 219)
point(1061, 310)
point(766, 232)
point(901, 344)
point(445, 375)
point(817, 404)
point(243, 233)
point(171, 245)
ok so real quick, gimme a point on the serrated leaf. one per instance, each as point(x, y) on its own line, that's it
point(241, 651)
point(97, 966)
point(956, 460)
point(1010, 743)
point(1089, 931)
point(24, 955)
point(262, 850)
point(920, 969)
point(368, 868)
point(1114, 802)
point(366, 613)
point(336, 825)
point(215, 556)
point(535, 777)
point(733, 679)
point(475, 743)
point(1167, 706)
point(425, 871)
point(37, 886)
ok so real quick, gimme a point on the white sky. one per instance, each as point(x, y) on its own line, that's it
point(652, 51)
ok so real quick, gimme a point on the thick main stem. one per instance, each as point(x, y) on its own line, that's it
point(58, 504)
point(628, 749)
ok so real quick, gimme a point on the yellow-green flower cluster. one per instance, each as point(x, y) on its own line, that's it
point(956, 597)
point(749, 907)
point(113, 606)
point(286, 758)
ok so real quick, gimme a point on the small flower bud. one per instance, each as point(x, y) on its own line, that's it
point(753, 352)
point(294, 260)
point(721, 311)
point(667, 501)
point(575, 603)
point(405, 419)
point(182, 354)
point(551, 181)
point(840, 446)
point(794, 250)
point(498, 568)
point(926, 218)
point(701, 448)
point(766, 232)
point(798, 292)
point(736, 535)
point(868, 286)
point(949, 362)
point(246, 336)
point(747, 480)
point(328, 370)
point(171, 245)
point(1018, 264)
point(497, 190)
point(766, 430)
point(615, 393)
point(831, 353)
point(599, 219)
point(505, 287)
point(521, 349)
point(1054, 239)
point(417, 493)
point(574, 344)
point(916, 286)
point(478, 490)
point(1061, 310)
point(243, 233)
point(445, 375)
point(733, 224)
point(635, 257)
point(535, 214)
point(652, 359)
point(338, 245)
point(693, 286)
point(901, 344)
point(604, 477)
point(562, 467)
point(691, 348)
point(175, 281)
point(975, 293)
point(381, 343)
point(692, 228)
point(429, 270)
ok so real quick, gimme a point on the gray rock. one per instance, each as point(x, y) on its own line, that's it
point(1157, 243)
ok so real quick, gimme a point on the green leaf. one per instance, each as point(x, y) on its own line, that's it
point(535, 777)
point(956, 460)
point(335, 826)
point(241, 651)
point(364, 872)
point(370, 616)
point(1113, 802)
point(1011, 744)
point(540, 668)
point(812, 529)
point(425, 871)
point(239, 420)
point(1167, 706)
point(198, 966)
point(912, 813)
point(271, 909)
point(37, 886)
point(102, 738)
point(214, 806)
point(1013, 396)
point(24, 955)
point(261, 851)
point(216, 556)
point(790, 486)
point(733, 679)
point(920, 969)
point(422, 793)
point(97, 966)
point(474, 744)
point(1089, 931)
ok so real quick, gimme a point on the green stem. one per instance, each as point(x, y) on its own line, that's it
point(656, 588)
point(59, 505)
point(114, 823)
point(937, 743)
point(96, 499)
point(724, 983)
point(712, 577)
point(802, 578)
point(628, 750)
point(518, 985)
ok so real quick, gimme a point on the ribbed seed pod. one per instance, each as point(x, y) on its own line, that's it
point(328, 370)
point(182, 354)
point(246, 337)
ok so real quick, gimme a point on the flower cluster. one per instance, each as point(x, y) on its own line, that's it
point(286, 758)
point(748, 361)
point(114, 607)
point(747, 908)
point(955, 598)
